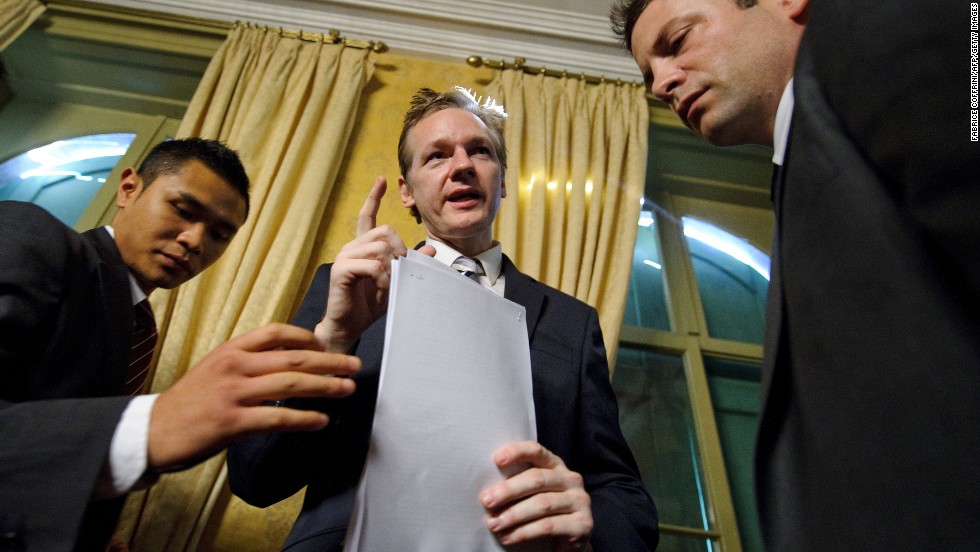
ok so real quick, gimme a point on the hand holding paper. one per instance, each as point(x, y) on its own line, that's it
point(547, 499)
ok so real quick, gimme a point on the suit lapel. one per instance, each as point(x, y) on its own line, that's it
point(520, 289)
point(117, 302)
point(774, 301)
point(775, 304)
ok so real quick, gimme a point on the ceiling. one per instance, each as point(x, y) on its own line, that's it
point(570, 35)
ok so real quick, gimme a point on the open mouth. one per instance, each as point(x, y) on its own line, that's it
point(465, 197)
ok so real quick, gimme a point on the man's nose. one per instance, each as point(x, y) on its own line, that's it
point(667, 77)
point(462, 163)
point(192, 237)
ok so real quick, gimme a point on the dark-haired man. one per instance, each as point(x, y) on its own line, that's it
point(73, 438)
point(868, 437)
point(583, 486)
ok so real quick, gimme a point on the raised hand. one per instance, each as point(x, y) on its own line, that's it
point(220, 398)
point(361, 276)
point(544, 500)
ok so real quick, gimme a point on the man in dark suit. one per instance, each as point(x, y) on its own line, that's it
point(582, 486)
point(868, 438)
point(72, 443)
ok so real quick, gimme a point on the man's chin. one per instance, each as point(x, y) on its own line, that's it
point(726, 132)
point(707, 131)
point(468, 221)
point(718, 138)
point(170, 281)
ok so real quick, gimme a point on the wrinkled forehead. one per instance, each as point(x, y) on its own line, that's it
point(631, 18)
point(659, 23)
point(646, 32)
point(658, 13)
point(447, 126)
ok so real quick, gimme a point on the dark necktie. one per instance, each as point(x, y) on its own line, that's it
point(143, 340)
point(468, 267)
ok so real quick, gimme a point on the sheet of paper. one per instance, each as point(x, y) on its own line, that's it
point(455, 387)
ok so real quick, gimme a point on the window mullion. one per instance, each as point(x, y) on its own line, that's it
point(720, 506)
point(687, 319)
point(683, 299)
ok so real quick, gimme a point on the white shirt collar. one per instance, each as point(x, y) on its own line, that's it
point(780, 133)
point(134, 287)
point(492, 259)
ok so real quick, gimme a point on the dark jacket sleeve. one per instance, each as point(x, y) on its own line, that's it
point(53, 443)
point(624, 514)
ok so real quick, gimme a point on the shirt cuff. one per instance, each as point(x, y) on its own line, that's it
point(126, 463)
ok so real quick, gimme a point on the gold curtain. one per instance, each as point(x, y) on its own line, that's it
point(576, 167)
point(288, 107)
point(15, 17)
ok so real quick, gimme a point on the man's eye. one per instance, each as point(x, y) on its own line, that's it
point(183, 213)
point(435, 156)
point(677, 41)
point(481, 150)
point(219, 236)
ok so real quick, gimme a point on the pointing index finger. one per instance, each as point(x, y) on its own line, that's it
point(367, 218)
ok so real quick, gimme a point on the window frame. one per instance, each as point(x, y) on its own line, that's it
point(738, 180)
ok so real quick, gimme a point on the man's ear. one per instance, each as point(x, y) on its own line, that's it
point(405, 192)
point(503, 185)
point(796, 10)
point(130, 187)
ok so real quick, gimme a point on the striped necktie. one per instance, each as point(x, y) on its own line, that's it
point(142, 342)
point(471, 268)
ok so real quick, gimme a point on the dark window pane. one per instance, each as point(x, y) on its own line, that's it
point(656, 417)
point(646, 303)
point(732, 277)
point(735, 395)
point(676, 543)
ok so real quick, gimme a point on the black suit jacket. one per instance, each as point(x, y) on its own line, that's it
point(65, 316)
point(869, 434)
point(577, 419)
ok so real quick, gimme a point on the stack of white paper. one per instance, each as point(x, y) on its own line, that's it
point(455, 387)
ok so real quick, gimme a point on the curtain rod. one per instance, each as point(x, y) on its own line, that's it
point(332, 37)
point(477, 61)
point(213, 25)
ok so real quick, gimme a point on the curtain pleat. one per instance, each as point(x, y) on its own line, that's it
point(288, 107)
point(15, 17)
point(576, 167)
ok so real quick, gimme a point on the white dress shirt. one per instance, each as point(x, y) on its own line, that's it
point(127, 458)
point(492, 260)
point(780, 133)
